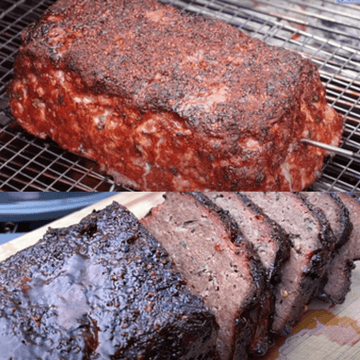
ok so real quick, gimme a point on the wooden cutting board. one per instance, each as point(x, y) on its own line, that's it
point(322, 333)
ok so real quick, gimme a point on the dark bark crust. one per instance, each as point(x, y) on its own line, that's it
point(102, 288)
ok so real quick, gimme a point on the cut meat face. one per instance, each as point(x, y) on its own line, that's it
point(268, 238)
point(336, 213)
point(312, 243)
point(164, 100)
point(338, 216)
point(339, 276)
point(102, 289)
point(269, 241)
point(207, 247)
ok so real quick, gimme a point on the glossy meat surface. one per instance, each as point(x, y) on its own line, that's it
point(102, 289)
point(163, 100)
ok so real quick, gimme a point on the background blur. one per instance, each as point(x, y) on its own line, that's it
point(24, 212)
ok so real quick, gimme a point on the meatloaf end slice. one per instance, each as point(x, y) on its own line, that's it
point(101, 289)
point(200, 237)
point(162, 102)
point(311, 247)
point(269, 240)
point(338, 216)
point(339, 276)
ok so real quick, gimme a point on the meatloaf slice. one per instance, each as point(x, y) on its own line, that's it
point(164, 100)
point(339, 276)
point(218, 264)
point(338, 217)
point(102, 289)
point(268, 238)
point(270, 242)
point(312, 244)
point(336, 213)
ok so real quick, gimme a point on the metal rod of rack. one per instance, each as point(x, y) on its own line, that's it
point(332, 148)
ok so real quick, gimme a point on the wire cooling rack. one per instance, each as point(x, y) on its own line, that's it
point(323, 31)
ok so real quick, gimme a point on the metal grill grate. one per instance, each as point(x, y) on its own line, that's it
point(326, 32)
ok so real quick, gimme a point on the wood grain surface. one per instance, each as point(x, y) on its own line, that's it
point(324, 332)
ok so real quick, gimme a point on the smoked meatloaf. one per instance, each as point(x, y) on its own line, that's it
point(338, 216)
point(270, 242)
point(190, 281)
point(165, 100)
point(312, 246)
point(219, 265)
point(102, 289)
point(339, 276)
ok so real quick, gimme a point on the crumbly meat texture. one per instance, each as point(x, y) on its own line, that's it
point(164, 100)
point(339, 276)
point(270, 242)
point(338, 216)
point(335, 212)
point(312, 244)
point(219, 265)
point(268, 238)
point(105, 289)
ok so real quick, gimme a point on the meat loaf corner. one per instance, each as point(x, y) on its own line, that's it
point(100, 289)
point(165, 100)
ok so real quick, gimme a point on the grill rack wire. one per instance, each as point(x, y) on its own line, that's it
point(321, 30)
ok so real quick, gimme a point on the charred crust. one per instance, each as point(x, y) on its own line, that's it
point(345, 222)
point(155, 295)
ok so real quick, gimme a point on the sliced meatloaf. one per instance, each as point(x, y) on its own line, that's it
point(339, 276)
point(336, 213)
point(338, 217)
point(102, 289)
point(218, 264)
point(165, 100)
point(312, 244)
point(269, 240)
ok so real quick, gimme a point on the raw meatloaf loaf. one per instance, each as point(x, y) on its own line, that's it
point(164, 100)
point(102, 289)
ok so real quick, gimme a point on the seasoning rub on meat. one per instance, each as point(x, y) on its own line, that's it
point(164, 100)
